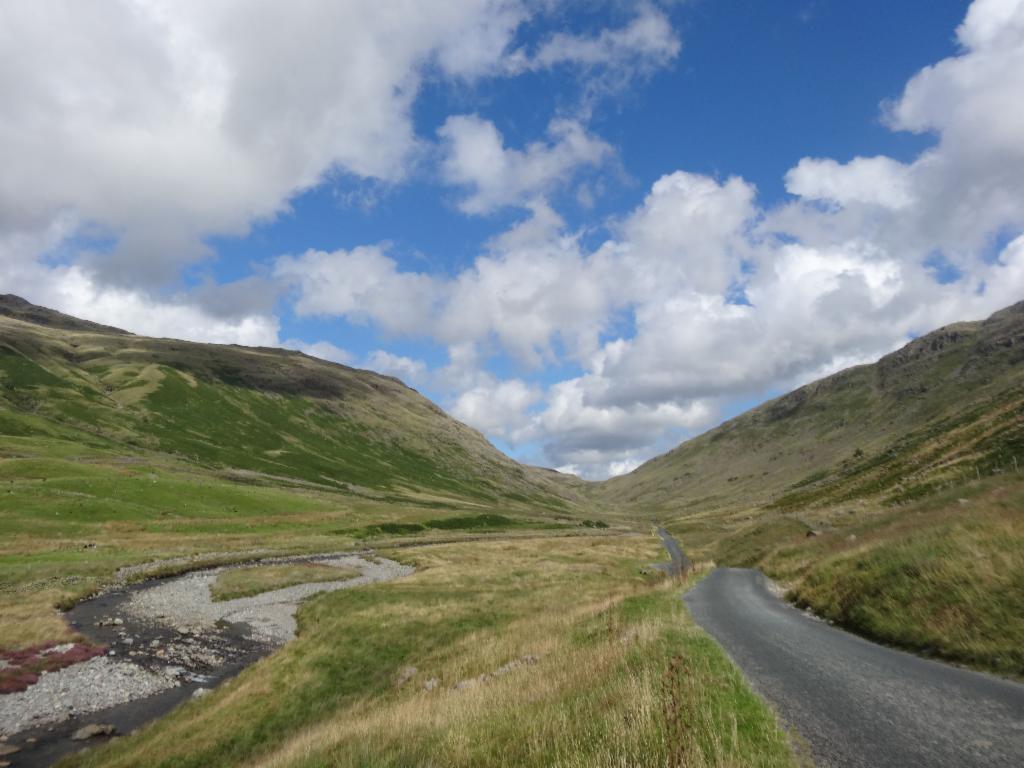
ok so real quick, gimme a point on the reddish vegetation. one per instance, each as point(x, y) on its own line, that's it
point(25, 665)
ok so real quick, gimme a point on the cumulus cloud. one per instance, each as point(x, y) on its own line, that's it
point(74, 291)
point(496, 176)
point(324, 350)
point(534, 289)
point(361, 284)
point(689, 231)
point(498, 408)
point(149, 125)
point(871, 180)
point(409, 370)
point(954, 197)
point(165, 122)
point(576, 428)
point(647, 42)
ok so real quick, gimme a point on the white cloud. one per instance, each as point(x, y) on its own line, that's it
point(623, 467)
point(578, 428)
point(529, 294)
point(690, 230)
point(407, 369)
point(955, 196)
point(361, 284)
point(499, 409)
point(991, 23)
point(646, 42)
point(533, 288)
point(74, 291)
point(164, 122)
point(161, 123)
point(871, 180)
point(820, 287)
point(324, 350)
point(475, 157)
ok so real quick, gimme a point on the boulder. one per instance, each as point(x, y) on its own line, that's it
point(92, 730)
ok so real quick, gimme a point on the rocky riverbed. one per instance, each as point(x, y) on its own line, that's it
point(167, 640)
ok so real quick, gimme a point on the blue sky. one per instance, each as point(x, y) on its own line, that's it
point(588, 229)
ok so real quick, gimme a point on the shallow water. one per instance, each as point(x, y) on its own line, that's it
point(54, 741)
point(234, 644)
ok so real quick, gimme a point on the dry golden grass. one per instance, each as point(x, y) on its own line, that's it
point(143, 382)
point(589, 636)
point(245, 582)
point(23, 623)
point(941, 576)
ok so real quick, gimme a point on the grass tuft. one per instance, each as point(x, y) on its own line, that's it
point(246, 582)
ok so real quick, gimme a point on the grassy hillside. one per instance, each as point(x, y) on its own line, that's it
point(887, 497)
point(117, 449)
point(941, 576)
point(271, 412)
point(947, 407)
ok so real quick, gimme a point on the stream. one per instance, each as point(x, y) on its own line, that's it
point(168, 633)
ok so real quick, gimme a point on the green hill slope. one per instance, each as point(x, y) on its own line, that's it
point(946, 407)
point(886, 498)
point(268, 411)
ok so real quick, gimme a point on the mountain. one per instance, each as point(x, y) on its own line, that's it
point(254, 411)
point(946, 407)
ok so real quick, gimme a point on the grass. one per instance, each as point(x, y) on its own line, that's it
point(942, 576)
point(269, 412)
point(23, 668)
point(119, 450)
point(245, 582)
point(478, 523)
point(611, 672)
point(622, 675)
point(849, 490)
point(947, 408)
point(72, 514)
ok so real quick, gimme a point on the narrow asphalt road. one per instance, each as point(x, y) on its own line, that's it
point(679, 563)
point(857, 703)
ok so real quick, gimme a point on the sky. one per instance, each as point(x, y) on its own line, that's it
point(589, 229)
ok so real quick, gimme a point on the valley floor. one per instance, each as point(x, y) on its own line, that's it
point(523, 637)
point(552, 651)
point(527, 638)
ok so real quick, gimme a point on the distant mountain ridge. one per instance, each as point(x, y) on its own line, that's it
point(947, 404)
